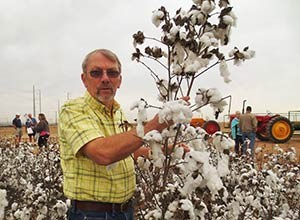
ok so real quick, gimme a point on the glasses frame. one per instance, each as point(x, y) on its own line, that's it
point(98, 73)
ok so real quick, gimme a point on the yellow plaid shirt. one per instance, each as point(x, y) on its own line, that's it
point(80, 121)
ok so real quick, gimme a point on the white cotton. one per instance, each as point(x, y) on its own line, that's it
point(177, 111)
point(224, 71)
point(40, 217)
point(187, 205)
point(205, 40)
point(178, 152)
point(207, 6)
point(141, 116)
point(214, 183)
point(173, 206)
point(272, 180)
point(143, 163)
point(227, 19)
point(248, 54)
point(197, 2)
point(61, 208)
point(25, 214)
point(14, 206)
point(154, 139)
point(223, 165)
point(3, 202)
point(232, 52)
point(157, 17)
point(191, 184)
point(140, 130)
point(222, 142)
point(180, 53)
point(214, 95)
point(258, 150)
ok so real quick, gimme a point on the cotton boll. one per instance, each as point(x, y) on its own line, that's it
point(224, 70)
point(157, 17)
point(227, 19)
point(223, 165)
point(187, 205)
point(222, 142)
point(61, 208)
point(177, 111)
point(3, 202)
point(207, 6)
point(214, 95)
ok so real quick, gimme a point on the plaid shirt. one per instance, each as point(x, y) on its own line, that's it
point(82, 120)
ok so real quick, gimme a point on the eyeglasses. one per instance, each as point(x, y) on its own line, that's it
point(111, 73)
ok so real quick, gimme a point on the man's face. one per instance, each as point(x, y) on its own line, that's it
point(103, 87)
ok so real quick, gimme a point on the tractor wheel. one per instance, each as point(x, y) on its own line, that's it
point(262, 136)
point(280, 129)
point(211, 127)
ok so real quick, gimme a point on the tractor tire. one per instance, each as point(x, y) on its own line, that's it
point(262, 136)
point(211, 127)
point(279, 129)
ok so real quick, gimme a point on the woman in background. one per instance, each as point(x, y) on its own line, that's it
point(42, 130)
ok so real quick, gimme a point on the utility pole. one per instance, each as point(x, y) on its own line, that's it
point(40, 100)
point(33, 97)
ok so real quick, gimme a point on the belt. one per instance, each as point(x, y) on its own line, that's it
point(90, 206)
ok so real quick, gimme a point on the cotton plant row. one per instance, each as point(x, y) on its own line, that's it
point(31, 183)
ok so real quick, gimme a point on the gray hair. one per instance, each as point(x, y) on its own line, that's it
point(107, 53)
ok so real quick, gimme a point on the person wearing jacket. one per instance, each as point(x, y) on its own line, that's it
point(236, 133)
point(42, 130)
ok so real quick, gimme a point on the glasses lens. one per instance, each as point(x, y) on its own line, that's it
point(112, 73)
point(96, 73)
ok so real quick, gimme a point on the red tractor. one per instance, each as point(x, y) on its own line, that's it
point(275, 128)
point(209, 126)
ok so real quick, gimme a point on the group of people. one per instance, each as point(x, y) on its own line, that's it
point(36, 130)
point(243, 130)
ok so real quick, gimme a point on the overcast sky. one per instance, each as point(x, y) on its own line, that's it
point(42, 44)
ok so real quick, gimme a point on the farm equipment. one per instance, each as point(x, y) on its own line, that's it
point(209, 126)
point(275, 128)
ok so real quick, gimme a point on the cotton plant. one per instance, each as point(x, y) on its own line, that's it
point(189, 46)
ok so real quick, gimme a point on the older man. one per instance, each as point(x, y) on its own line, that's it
point(96, 159)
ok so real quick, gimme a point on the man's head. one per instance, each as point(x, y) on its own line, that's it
point(102, 75)
point(237, 114)
point(29, 115)
point(18, 115)
point(248, 109)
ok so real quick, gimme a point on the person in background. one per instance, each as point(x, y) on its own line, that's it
point(96, 153)
point(42, 130)
point(236, 132)
point(17, 123)
point(30, 124)
point(248, 125)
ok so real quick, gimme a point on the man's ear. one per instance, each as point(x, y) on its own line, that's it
point(83, 79)
point(120, 81)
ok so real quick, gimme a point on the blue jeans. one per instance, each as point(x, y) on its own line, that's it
point(77, 214)
point(251, 137)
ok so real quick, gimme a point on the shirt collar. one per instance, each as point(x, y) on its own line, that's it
point(95, 104)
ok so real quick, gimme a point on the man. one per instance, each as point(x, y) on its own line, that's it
point(248, 125)
point(17, 123)
point(96, 159)
point(30, 124)
point(236, 132)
